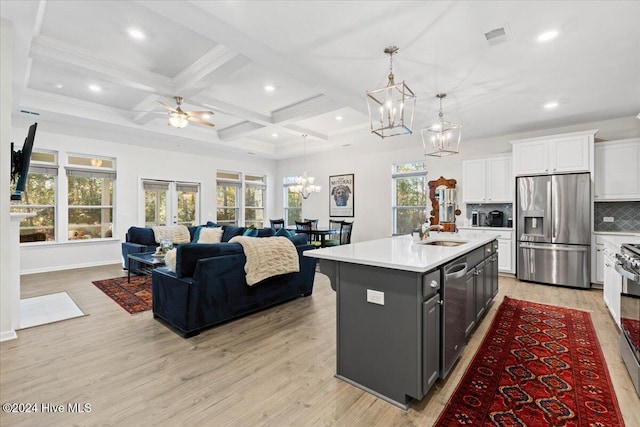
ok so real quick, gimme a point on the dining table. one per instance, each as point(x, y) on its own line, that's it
point(319, 233)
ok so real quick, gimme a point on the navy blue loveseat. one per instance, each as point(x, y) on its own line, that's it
point(209, 286)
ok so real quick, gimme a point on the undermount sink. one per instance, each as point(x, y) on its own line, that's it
point(445, 243)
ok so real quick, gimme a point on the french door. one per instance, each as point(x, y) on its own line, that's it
point(171, 202)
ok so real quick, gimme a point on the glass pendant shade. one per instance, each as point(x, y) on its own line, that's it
point(391, 108)
point(442, 138)
point(178, 120)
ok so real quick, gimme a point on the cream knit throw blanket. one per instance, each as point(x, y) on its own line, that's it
point(175, 233)
point(268, 257)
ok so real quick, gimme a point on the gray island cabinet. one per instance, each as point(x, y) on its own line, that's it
point(404, 308)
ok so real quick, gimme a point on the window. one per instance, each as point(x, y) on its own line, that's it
point(187, 194)
point(254, 196)
point(228, 194)
point(409, 194)
point(292, 202)
point(39, 198)
point(90, 183)
point(155, 202)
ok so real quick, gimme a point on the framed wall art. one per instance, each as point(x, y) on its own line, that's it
point(341, 195)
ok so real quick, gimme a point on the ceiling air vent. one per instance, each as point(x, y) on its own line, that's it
point(497, 35)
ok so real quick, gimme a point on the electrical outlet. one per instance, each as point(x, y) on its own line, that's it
point(375, 297)
point(607, 219)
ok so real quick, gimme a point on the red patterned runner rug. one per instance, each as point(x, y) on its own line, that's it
point(135, 297)
point(538, 365)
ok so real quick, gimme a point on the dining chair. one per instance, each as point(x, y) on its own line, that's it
point(345, 234)
point(334, 224)
point(305, 225)
point(314, 223)
point(314, 226)
point(277, 224)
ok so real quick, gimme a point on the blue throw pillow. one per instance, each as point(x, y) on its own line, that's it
point(212, 224)
point(250, 232)
point(231, 231)
point(284, 232)
point(266, 232)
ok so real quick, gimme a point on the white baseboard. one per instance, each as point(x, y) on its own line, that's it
point(8, 335)
point(71, 266)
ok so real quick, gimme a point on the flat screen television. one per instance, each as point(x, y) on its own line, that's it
point(20, 161)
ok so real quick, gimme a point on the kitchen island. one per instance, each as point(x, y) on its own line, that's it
point(404, 308)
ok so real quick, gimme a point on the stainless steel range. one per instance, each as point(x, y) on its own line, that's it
point(628, 265)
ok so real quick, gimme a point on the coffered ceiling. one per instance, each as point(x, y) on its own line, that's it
point(319, 57)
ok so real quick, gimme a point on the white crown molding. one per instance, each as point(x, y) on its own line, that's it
point(308, 108)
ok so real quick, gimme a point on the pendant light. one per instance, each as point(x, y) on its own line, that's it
point(442, 138)
point(391, 107)
point(305, 184)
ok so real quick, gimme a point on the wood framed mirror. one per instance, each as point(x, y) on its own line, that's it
point(434, 186)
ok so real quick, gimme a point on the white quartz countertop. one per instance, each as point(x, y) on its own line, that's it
point(402, 253)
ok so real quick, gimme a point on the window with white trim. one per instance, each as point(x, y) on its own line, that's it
point(90, 184)
point(409, 196)
point(254, 196)
point(39, 197)
point(228, 197)
point(292, 202)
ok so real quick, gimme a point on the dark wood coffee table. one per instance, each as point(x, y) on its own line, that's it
point(147, 261)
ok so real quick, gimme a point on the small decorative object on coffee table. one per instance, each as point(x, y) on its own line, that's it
point(165, 245)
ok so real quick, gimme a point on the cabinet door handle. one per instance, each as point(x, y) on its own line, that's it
point(433, 284)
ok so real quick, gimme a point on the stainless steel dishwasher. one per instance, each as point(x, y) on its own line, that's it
point(454, 294)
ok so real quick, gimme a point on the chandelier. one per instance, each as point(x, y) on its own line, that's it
point(443, 138)
point(391, 105)
point(305, 184)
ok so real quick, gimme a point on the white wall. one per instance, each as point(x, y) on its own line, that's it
point(371, 161)
point(133, 163)
point(6, 287)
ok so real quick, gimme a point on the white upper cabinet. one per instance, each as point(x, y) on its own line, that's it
point(487, 180)
point(554, 154)
point(617, 174)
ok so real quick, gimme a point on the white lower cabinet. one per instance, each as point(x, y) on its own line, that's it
point(504, 255)
point(505, 246)
point(612, 286)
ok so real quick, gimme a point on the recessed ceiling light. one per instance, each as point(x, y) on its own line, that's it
point(548, 35)
point(550, 105)
point(58, 85)
point(269, 88)
point(137, 34)
point(338, 118)
point(95, 88)
point(275, 135)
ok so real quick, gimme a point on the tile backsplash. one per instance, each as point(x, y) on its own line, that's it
point(507, 208)
point(626, 216)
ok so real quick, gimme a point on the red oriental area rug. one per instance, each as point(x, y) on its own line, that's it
point(135, 297)
point(538, 365)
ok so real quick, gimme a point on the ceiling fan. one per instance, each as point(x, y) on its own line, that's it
point(179, 118)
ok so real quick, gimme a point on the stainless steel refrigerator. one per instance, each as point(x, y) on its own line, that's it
point(553, 229)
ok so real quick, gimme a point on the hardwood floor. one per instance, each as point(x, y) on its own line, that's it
point(272, 368)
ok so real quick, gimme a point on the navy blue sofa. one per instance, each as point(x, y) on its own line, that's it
point(142, 239)
point(209, 286)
